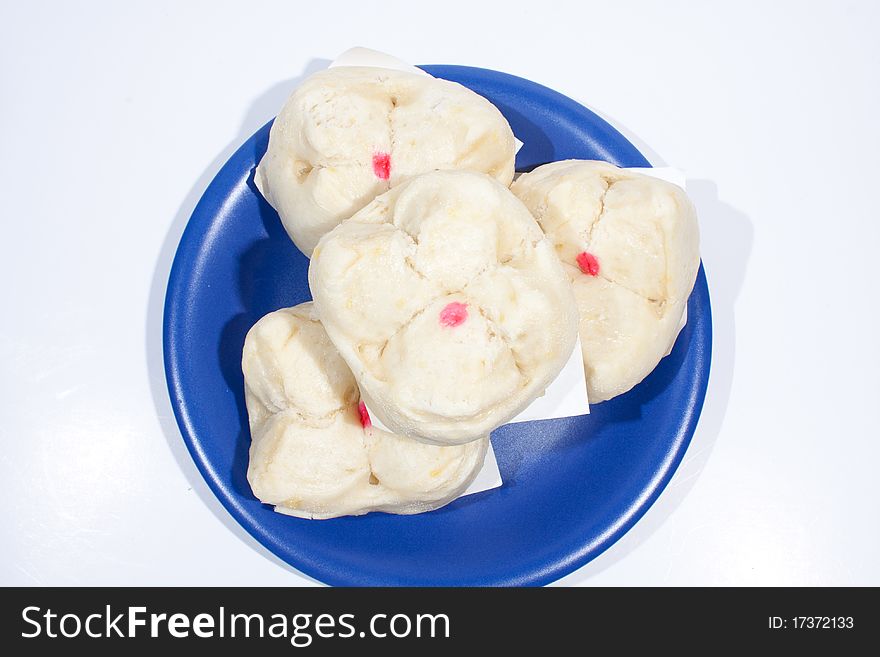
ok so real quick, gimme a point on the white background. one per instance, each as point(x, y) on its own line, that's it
point(114, 117)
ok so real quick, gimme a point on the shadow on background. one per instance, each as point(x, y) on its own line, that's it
point(726, 236)
point(260, 111)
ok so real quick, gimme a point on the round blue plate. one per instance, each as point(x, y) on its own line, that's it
point(572, 487)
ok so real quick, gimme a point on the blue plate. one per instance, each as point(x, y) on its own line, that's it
point(572, 487)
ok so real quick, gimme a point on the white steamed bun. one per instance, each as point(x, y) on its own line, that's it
point(448, 304)
point(348, 134)
point(630, 245)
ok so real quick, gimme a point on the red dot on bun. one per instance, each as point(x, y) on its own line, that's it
point(588, 263)
point(366, 423)
point(382, 165)
point(453, 314)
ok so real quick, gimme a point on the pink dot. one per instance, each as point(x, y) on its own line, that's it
point(382, 165)
point(453, 314)
point(366, 423)
point(588, 263)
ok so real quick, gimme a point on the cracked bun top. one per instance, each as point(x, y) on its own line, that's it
point(314, 452)
point(448, 304)
point(630, 246)
point(348, 134)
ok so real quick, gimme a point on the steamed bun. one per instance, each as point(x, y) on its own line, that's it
point(448, 304)
point(630, 246)
point(348, 134)
point(312, 454)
